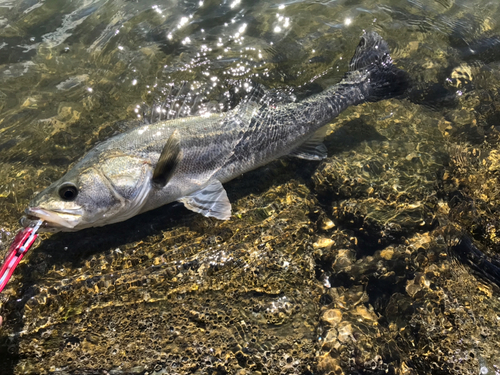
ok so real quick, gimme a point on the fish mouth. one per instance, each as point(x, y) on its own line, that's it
point(53, 220)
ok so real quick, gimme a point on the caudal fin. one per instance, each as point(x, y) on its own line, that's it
point(372, 56)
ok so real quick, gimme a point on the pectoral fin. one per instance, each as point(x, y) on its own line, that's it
point(313, 148)
point(169, 158)
point(211, 201)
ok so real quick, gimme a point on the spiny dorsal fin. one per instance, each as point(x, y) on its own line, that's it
point(313, 148)
point(169, 158)
point(211, 201)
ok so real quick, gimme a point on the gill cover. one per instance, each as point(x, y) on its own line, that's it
point(128, 180)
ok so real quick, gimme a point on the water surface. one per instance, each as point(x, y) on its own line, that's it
point(381, 259)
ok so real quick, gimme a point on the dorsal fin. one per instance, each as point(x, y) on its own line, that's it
point(169, 158)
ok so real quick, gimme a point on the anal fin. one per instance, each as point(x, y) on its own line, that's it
point(211, 201)
point(313, 148)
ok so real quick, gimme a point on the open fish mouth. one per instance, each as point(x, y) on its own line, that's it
point(53, 220)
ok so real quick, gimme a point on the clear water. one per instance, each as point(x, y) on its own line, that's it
point(342, 266)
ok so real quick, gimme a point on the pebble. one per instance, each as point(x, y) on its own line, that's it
point(332, 316)
point(387, 254)
point(323, 242)
point(345, 332)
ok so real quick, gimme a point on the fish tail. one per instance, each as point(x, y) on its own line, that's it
point(385, 80)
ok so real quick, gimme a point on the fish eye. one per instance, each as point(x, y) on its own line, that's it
point(68, 192)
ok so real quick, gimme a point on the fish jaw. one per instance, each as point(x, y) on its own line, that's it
point(64, 220)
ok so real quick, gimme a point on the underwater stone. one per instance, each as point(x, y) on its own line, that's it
point(332, 317)
point(344, 332)
point(323, 242)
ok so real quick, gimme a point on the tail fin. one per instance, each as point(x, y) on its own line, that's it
point(372, 55)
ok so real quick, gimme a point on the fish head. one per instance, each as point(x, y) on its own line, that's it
point(109, 190)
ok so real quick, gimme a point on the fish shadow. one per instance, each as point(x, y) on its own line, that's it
point(351, 135)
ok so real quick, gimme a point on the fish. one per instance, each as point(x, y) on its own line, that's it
point(189, 159)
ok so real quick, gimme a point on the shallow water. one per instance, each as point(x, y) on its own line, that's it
point(356, 264)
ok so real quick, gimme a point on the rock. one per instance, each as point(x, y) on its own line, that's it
point(332, 317)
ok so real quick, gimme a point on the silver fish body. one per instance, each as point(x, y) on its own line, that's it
point(188, 159)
